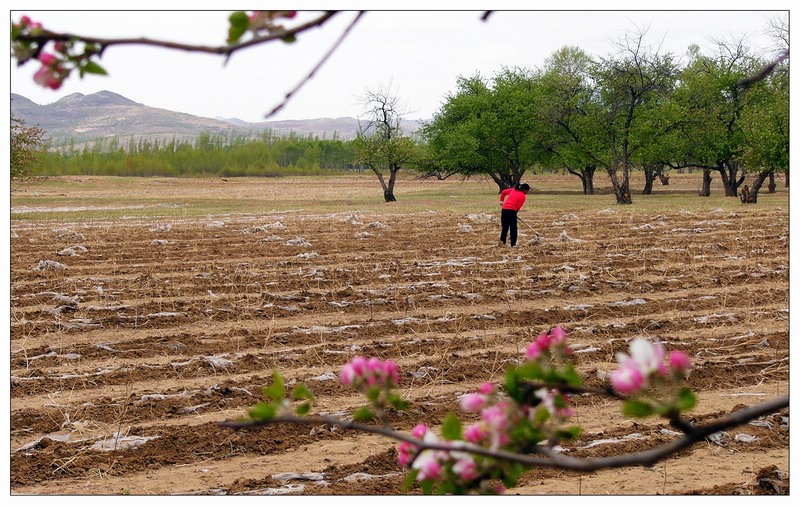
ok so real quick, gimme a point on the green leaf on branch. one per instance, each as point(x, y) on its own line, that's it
point(398, 403)
point(451, 428)
point(239, 23)
point(541, 415)
point(363, 415)
point(302, 409)
point(289, 38)
point(637, 408)
point(686, 399)
point(92, 68)
point(262, 411)
point(277, 390)
point(426, 486)
point(570, 376)
point(409, 480)
point(373, 393)
point(568, 433)
point(512, 475)
point(300, 393)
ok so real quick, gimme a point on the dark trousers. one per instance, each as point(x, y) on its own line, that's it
point(508, 219)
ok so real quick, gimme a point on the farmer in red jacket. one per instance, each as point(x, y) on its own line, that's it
point(511, 200)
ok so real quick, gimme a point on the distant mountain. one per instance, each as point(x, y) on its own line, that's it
point(79, 118)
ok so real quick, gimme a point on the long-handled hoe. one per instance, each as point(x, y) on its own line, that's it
point(537, 234)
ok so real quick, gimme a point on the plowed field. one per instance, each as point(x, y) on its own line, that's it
point(133, 336)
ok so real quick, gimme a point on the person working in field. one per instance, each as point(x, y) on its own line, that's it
point(511, 200)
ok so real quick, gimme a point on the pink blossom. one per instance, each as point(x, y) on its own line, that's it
point(405, 451)
point(427, 462)
point(648, 356)
point(419, 431)
point(466, 468)
point(47, 59)
point(391, 371)
point(348, 374)
point(558, 336)
point(679, 361)
point(543, 340)
point(473, 403)
point(486, 388)
point(627, 379)
point(534, 351)
point(370, 372)
point(495, 417)
point(475, 433)
point(429, 468)
point(359, 365)
point(47, 77)
point(374, 365)
point(565, 413)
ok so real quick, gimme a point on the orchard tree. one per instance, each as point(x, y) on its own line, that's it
point(572, 114)
point(380, 143)
point(715, 105)
point(451, 137)
point(630, 84)
point(766, 122)
point(492, 128)
point(25, 148)
point(766, 132)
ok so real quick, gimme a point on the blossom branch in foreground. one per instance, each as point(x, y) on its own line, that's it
point(521, 422)
point(77, 52)
point(553, 459)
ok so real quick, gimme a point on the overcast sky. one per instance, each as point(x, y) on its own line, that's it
point(416, 54)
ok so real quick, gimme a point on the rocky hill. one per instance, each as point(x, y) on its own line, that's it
point(79, 118)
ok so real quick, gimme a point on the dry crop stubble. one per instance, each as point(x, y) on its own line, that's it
point(182, 335)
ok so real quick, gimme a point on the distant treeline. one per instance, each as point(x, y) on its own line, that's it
point(264, 154)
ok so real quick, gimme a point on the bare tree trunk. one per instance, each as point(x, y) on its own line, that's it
point(772, 185)
point(731, 180)
point(622, 189)
point(705, 190)
point(588, 181)
point(388, 190)
point(586, 176)
point(750, 196)
point(650, 173)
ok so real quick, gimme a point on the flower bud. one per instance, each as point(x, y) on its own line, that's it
point(679, 361)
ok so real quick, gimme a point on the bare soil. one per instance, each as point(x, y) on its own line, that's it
point(132, 340)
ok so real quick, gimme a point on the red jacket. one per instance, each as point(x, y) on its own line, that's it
point(515, 199)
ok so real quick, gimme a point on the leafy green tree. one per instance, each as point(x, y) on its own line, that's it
point(715, 104)
point(491, 128)
point(766, 131)
point(26, 147)
point(573, 114)
point(630, 83)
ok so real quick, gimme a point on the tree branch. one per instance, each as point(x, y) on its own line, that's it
point(763, 73)
point(228, 50)
point(551, 458)
point(316, 67)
